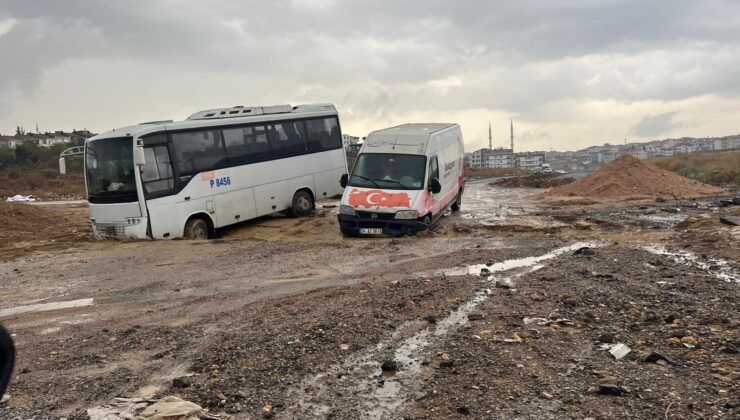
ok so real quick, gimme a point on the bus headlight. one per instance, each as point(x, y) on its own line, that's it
point(407, 214)
point(347, 210)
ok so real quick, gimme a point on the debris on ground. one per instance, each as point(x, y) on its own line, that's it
point(532, 181)
point(21, 198)
point(619, 350)
point(167, 408)
point(629, 178)
point(389, 366)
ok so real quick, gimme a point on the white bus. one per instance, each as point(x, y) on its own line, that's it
point(166, 180)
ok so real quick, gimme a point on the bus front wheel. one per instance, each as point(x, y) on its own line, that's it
point(302, 204)
point(196, 228)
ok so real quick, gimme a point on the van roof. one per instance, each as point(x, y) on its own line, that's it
point(416, 128)
point(405, 138)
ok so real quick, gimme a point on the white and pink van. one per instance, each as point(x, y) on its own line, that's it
point(403, 180)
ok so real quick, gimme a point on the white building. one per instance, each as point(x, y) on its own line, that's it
point(500, 158)
point(727, 143)
point(479, 158)
point(348, 140)
point(529, 160)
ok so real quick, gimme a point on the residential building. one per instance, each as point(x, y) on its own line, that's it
point(347, 140)
point(500, 158)
point(529, 160)
point(727, 143)
point(10, 141)
point(479, 158)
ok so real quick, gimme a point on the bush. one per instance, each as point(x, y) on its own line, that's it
point(711, 168)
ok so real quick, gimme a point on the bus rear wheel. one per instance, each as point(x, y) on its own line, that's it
point(302, 204)
point(196, 228)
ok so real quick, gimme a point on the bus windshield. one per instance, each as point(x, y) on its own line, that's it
point(109, 170)
point(388, 170)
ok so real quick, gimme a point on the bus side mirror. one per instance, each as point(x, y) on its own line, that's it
point(139, 159)
point(344, 180)
point(435, 186)
point(62, 166)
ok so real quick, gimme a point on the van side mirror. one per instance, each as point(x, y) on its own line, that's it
point(139, 159)
point(62, 166)
point(344, 180)
point(435, 186)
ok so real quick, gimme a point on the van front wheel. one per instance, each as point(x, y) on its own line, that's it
point(302, 204)
point(458, 202)
point(428, 221)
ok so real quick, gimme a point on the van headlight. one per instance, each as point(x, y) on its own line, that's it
point(407, 214)
point(347, 210)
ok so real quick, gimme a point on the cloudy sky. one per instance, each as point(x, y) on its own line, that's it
point(570, 74)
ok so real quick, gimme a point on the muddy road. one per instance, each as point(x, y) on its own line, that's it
point(505, 310)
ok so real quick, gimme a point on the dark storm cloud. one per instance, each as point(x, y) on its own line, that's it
point(384, 57)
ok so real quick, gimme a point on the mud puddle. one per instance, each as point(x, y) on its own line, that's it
point(491, 206)
point(718, 268)
point(668, 220)
point(376, 382)
point(479, 269)
point(44, 307)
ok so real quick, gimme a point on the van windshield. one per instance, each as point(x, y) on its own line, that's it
point(389, 170)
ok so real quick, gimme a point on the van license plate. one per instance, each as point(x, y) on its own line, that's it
point(371, 231)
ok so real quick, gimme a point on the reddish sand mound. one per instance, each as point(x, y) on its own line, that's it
point(628, 178)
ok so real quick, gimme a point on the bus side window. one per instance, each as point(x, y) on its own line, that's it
point(198, 151)
point(287, 139)
point(246, 144)
point(323, 134)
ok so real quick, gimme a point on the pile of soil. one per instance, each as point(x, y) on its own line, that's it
point(25, 228)
point(532, 181)
point(628, 178)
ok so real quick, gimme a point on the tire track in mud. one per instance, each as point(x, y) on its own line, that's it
point(358, 387)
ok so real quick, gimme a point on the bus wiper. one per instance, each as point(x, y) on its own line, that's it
point(368, 179)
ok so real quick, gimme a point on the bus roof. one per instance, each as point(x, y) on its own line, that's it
point(223, 116)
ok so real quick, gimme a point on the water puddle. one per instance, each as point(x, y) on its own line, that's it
point(669, 220)
point(479, 269)
point(43, 307)
point(714, 266)
point(359, 382)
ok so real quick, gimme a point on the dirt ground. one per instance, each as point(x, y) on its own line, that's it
point(507, 309)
